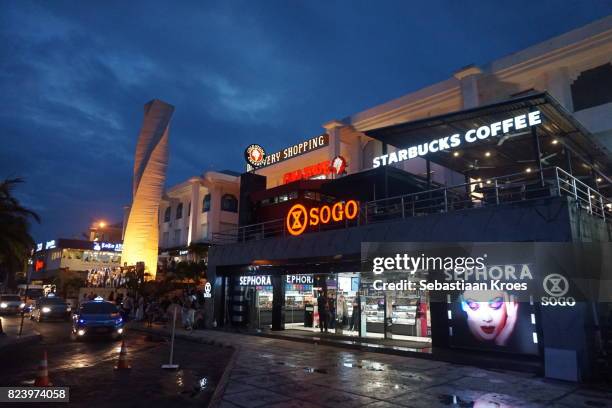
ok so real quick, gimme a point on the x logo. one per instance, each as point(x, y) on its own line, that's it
point(297, 219)
point(556, 284)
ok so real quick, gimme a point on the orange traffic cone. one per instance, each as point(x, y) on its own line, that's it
point(122, 364)
point(42, 378)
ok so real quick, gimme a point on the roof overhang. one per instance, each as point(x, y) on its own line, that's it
point(511, 153)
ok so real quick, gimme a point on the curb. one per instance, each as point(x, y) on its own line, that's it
point(25, 340)
point(182, 336)
point(216, 399)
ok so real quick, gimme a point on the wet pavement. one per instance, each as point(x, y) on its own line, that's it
point(87, 367)
point(280, 373)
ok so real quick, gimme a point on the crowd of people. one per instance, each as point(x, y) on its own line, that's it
point(106, 278)
point(188, 306)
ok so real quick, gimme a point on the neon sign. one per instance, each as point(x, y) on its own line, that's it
point(445, 143)
point(298, 217)
point(306, 146)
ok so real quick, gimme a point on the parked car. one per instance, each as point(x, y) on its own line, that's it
point(50, 307)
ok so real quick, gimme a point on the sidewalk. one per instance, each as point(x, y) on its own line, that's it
point(280, 373)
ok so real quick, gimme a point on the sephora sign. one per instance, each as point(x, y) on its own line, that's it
point(496, 129)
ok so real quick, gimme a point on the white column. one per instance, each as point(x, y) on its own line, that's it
point(558, 85)
point(332, 129)
point(192, 234)
point(468, 79)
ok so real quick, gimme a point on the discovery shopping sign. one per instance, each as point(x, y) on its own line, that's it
point(496, 129)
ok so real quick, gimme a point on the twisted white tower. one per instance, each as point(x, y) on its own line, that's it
point(141, 236)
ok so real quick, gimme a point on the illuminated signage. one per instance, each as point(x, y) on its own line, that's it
point(298, 217)
point(495, 129)
point(183, 252)
point(255, 155)
point(259, 280)
point(337, 166)
point(39, 247)
point(292, 151)
point(300, 279)
point(50, 244)
point(39, 265)
point(319, 169)
point(107, 246)
point(207, 290)
point(266, 280)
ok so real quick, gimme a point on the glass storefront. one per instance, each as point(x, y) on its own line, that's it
point(337, 303)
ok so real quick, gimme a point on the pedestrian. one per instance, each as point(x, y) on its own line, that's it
point(111, 297)
point(355, 316)
point(322, 306)
point(140, 308)
point(331, 310)
point(128, 305)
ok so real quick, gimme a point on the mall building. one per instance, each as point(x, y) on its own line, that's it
point(60, 256)
point(517, 150)
point(191, 211)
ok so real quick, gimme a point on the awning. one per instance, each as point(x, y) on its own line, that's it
point(559, 134)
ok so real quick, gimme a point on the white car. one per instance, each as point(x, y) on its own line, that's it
point(11, 304)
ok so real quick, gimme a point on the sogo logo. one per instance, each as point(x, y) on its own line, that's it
point(298, 217)
point(556, 286)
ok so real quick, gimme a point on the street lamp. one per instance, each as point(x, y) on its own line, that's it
point(101, 224)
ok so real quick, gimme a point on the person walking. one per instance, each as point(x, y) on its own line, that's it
point(322, 306)
point(355, 316)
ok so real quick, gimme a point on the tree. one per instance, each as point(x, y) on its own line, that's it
point(16, 243)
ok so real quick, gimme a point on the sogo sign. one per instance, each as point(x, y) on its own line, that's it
point(298, 217)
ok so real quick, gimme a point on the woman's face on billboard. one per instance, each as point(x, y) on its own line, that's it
point(486, 313)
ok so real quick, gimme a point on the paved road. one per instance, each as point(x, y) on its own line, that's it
point(87, 368)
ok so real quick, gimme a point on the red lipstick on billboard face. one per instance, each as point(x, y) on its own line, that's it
point(488, 329)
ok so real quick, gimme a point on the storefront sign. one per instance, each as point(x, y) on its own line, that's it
point(107, 246)
point(39, 265)
point(258, 280)
point(506, 126)
point(298, 217)
point(266, 280)
point(326, 168)
point(300, 279)
point(292, 151)
point(50, 244)
point(316, 170)
point(39, 247)
point(207, 290)
point(255, 155)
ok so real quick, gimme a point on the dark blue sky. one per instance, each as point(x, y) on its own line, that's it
point(74, 78)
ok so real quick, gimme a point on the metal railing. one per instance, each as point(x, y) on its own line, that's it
point(506, 189)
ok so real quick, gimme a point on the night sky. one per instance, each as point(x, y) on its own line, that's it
point(74, 78)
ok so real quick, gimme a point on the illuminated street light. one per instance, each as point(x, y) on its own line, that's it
point(101, 224)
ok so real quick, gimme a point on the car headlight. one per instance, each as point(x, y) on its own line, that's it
point(22, 305)
point(68, 309)
point(81, 332)
point(46, 309)
point(3, 305)
point(120, 331)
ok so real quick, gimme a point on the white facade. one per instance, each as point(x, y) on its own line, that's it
point(553, 66)
point(192, 211)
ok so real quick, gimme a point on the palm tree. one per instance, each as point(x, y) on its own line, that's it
point(16, 243)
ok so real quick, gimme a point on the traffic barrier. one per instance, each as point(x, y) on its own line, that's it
point(122, 364)
point(42, 377)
